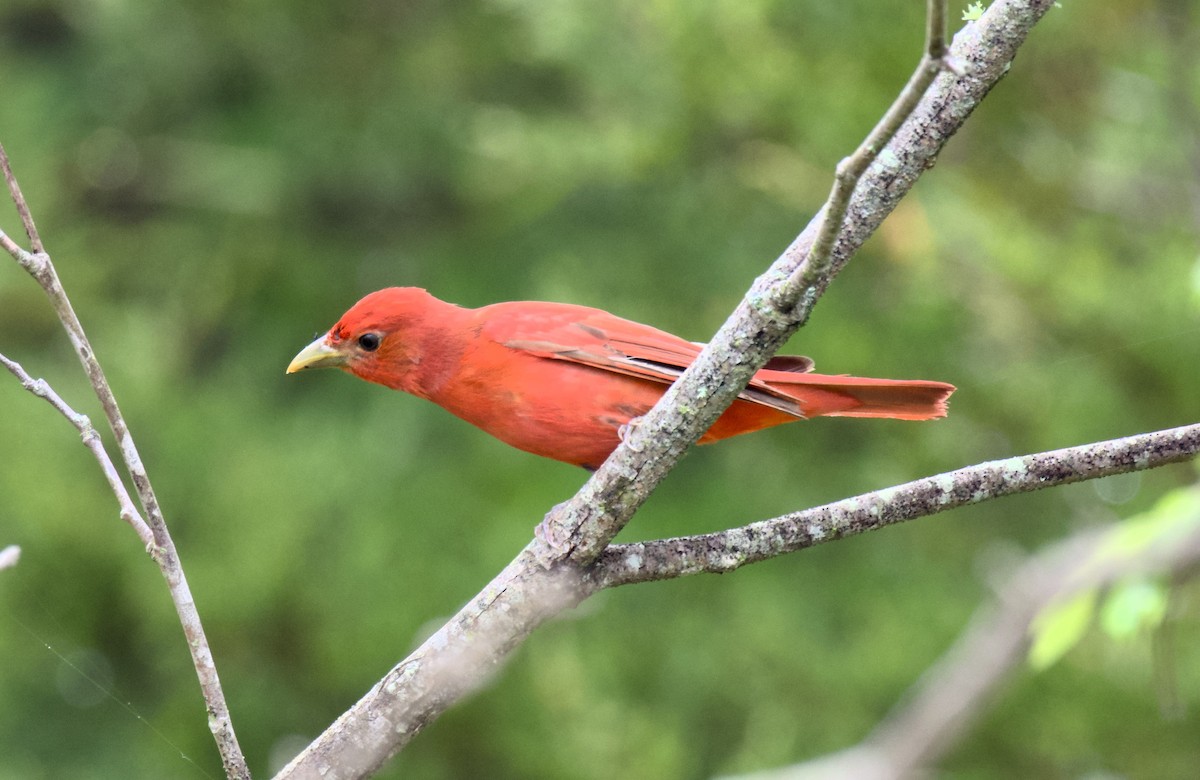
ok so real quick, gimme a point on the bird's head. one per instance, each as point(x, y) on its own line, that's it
point(373, 340)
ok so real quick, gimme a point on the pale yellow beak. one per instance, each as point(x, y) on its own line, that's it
point(317, 355)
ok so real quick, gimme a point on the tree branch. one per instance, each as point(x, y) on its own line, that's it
point(546, 577)
point(159, 545)
point(35, 240)
point(816, 267)
point(781, 300)
point(724, 551)
point(91, 440)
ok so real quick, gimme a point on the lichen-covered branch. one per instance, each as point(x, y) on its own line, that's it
point(724, 551)
point(547, 576)
point(776, 305)
point(159, 545)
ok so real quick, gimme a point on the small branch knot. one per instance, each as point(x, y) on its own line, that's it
point(625, 432)
point(777, 305)
point(552, 539)
point(845, 171)
point(38, 265)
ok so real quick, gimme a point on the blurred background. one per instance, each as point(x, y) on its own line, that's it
point(218, 182)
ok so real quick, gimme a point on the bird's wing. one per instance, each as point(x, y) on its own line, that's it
point(595, 338)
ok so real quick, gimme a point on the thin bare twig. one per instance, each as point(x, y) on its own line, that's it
point(935, 30)
point(11, 246)
point(816, 266)
point(546, 577)
point(160, 546)
point(35, 240)
point(91, 440)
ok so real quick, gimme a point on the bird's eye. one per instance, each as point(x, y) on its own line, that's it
point(369, 342)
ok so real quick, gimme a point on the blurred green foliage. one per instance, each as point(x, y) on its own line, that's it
point(217, 181)
point(1134, 605)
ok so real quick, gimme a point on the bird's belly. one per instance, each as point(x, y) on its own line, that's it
point(570, 413)
point(574, 413)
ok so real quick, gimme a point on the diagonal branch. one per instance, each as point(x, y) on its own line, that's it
point(160, 545)
point(724, 551)
point(782, 299)
point(816, 268)
point(546, 577)
point(35, 240)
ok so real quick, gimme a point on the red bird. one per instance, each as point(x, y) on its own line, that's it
point(561, 380)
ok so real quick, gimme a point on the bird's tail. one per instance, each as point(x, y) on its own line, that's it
point(851, 396)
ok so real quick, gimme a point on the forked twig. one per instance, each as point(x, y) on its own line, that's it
point(815, 269)
point(91, 439)
point(158, 542)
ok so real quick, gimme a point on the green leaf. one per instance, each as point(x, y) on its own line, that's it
point(1132, 608)
point(973, 12)
point(1059, 627)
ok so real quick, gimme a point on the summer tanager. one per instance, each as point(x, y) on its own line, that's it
point(562, 381)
